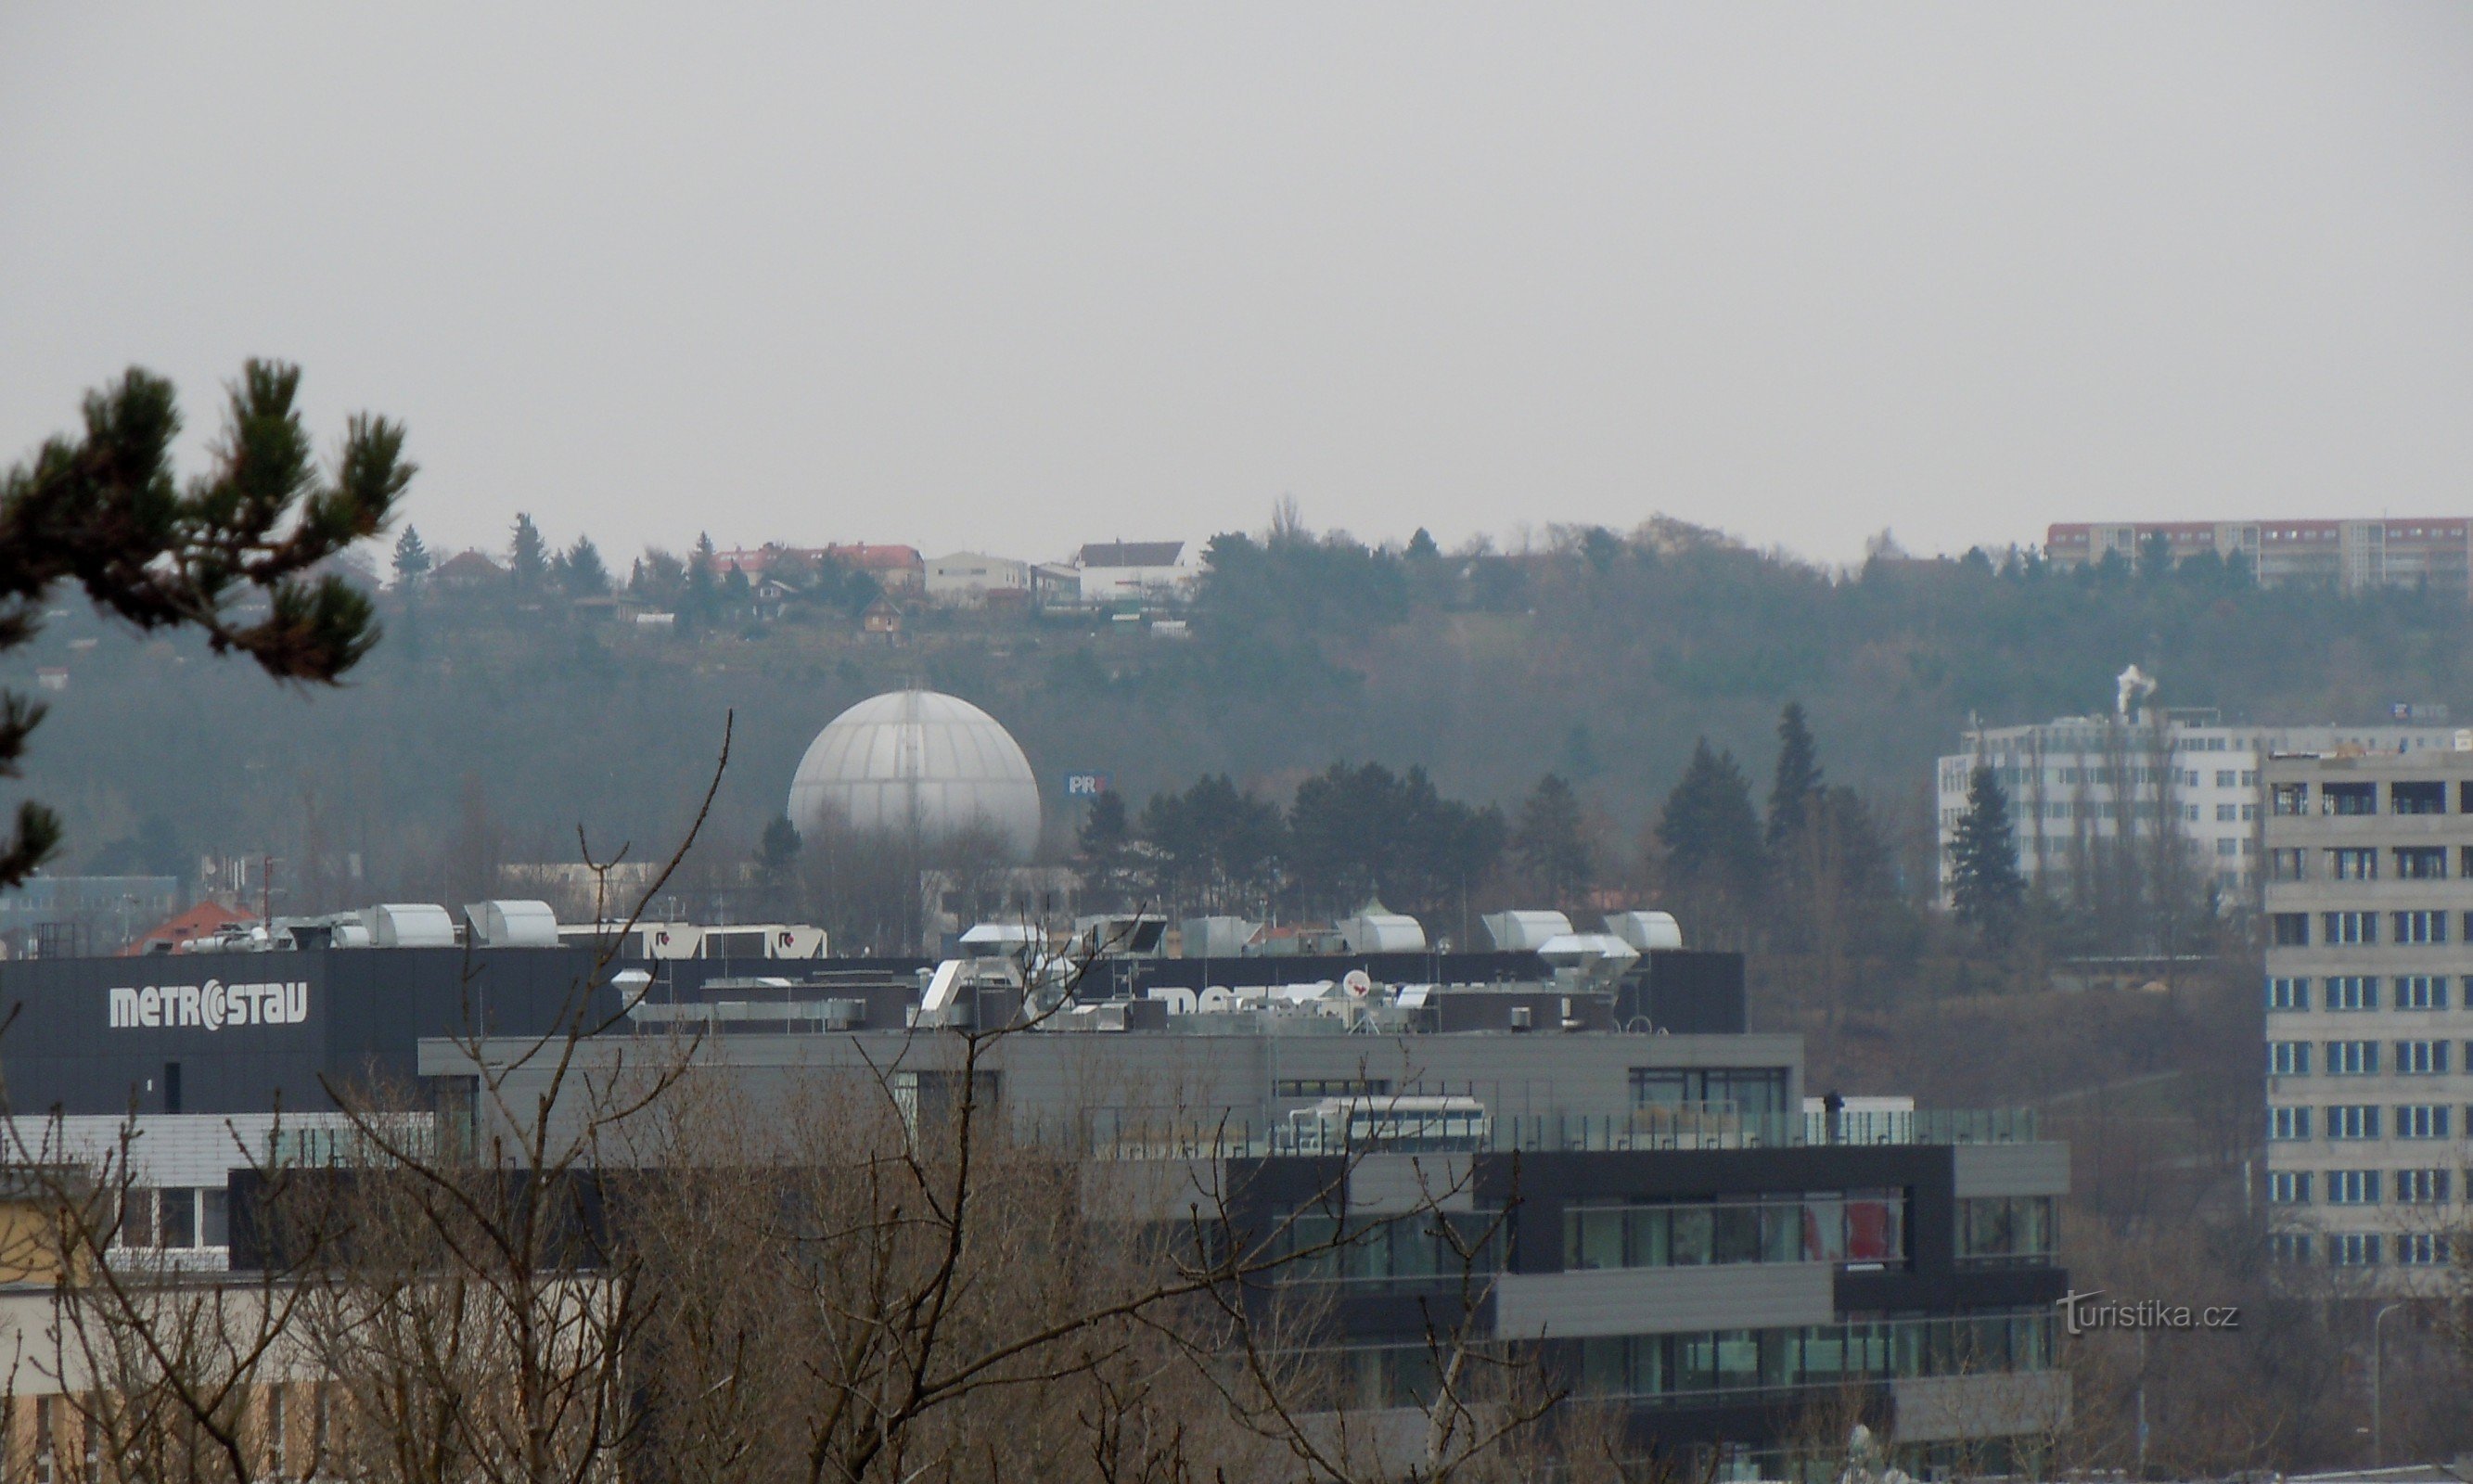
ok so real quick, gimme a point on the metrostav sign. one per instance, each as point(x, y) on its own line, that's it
point(210, 1006)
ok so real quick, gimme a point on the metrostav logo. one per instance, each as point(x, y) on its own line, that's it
point(209, 1006)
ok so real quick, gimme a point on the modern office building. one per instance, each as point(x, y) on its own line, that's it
point(2346, 554)
point(2369, 966)
point(1680, 1226)
point(2079, 784)
point(1685, 1232)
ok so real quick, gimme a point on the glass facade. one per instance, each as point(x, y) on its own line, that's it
point(1860, 1227)
point(1420, 1250)
point(1745, 1089)
point(1694, 1364)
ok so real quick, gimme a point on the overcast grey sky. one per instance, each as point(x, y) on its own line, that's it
point(1014, 280)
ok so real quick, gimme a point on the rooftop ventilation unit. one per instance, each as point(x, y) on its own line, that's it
point(1002, 939)
point(1218, 937)
point(1377, 931)
point(1576, 948)
point(1525, 932)
point(1646, 930)
point(512, 925)
point(408, 924)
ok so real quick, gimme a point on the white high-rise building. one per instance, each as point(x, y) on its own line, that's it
point(2369, 999)
point(2078, 783)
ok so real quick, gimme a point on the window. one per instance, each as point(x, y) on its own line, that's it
point(2421, 1121)
point(1748, 1089)
point(2464, 798)
point(2228, 846)
point(2006, 1228)
point(2291, 930)
point(178, 1217)
point(2417, 797)
point(2421, 928)
point(2190, 812)
point(2421, 1249)
point(2288, 1246)
point(2352, 1249)
point(2288, 1059)
point(2353, 1121)
point(2249, 814)
point(2421, 863)
point(2288, 994)
point(2352, 1187)
point(2348, 798)
point(2227, 813)
point(1863, 1227)
point(2422, 1188)
point(2352, 991)
point(2291, 799)
point(2420, 1057)
point(2353, 863)
point(2352, 1057)
point(2421, 992)
point(2352, 927)
point(2289, 1187)
point(2250, 778)
point(2288, 863)
point(2286, 1125)
point(1332, 1086)
point(2225, 778)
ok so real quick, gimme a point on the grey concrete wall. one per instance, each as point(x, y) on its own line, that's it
point(1664, 1300)
point(2010, 1169)
point(1947, 1408)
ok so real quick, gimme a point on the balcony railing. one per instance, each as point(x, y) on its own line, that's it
point(1669, 1127)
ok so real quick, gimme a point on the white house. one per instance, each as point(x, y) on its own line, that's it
point(969, 578)
point(1134, 571)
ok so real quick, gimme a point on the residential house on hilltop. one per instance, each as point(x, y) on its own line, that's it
point(970, 579)
point(895, 568)
point(1134, 571)
point(467, 569)
point(882, 619)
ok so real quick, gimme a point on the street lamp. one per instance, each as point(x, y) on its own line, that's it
point(2378, 1419)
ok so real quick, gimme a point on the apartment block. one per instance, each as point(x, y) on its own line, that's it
point(2348, 554)
point(2078, 783)
point(2369, 966)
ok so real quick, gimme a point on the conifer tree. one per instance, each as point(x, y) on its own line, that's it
point(1551, 841)
point(527, 555)
point(582, 571)
point(1984, 881)
point(411, 559)
point(703, 586)
point(1099, 849)
point(1712, 838)
point(1797, 778)
point(230, 556)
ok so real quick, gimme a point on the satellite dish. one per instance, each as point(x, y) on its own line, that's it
point(1357, 983)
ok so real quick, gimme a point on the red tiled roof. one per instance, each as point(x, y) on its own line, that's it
point(205, 920)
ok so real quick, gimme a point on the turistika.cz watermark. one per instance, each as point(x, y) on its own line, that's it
point(2084, 1313)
